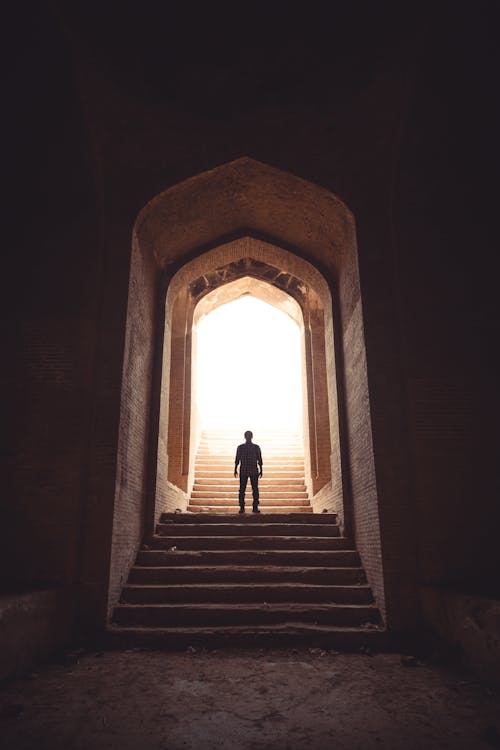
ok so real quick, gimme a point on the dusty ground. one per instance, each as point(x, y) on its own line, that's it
point(263, 700)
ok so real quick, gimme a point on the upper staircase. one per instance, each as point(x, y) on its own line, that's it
point(282, 488)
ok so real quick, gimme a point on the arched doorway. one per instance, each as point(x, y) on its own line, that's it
point(243, 219)
point(289, 282)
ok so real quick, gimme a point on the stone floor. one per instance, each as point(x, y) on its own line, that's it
point(307, 698)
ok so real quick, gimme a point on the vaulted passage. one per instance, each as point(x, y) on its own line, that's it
point(218, 251)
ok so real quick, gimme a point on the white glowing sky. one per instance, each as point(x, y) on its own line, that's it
point(249, 368)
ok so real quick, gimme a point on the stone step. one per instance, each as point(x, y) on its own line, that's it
point(250, 542)
point(230, 455)
point(278, 491)
point(243, 636)
point(247, 574)
point(225, 459)
point(269, 449)
point(275, 457)
point(217, 458)
point(231, 509)
point(229, 484)
point(175, 615)
point(308, 558)
point(234, 441)
point(216, 477)
point(274, 470)
point(250, 592)
point(210, 482)
point(230, 446)
point(266, 501)
point(270, 467)
point(230, 487)
point(237, 434)
point(301, 518)
point(242, 529)
point(264, 494)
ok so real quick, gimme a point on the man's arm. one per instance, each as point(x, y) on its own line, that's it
point(236, 461)
point(259, 460)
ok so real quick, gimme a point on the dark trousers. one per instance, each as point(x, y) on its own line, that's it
point(254, 478)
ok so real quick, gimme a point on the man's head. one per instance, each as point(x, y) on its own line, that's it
point(248, 436)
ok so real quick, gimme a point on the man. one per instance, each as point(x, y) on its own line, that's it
point(249, 457)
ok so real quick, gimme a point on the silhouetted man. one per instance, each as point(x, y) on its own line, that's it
point(249, 457)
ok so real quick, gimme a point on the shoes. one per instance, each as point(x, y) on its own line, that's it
point(242, 510)
point(256, 510)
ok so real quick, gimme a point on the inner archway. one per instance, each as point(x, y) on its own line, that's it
point(289, 283)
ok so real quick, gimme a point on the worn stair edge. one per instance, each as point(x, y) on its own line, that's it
point(308, 558)
point(239, 542)
point(218, 499)
point(210, 482)
point(247, 574)
point(247, 592)
point(287, 635)
point(302, 518)
point(272, 476)
point(213, 614)
point(257, 529)
point(264, 495)
point(231, 508)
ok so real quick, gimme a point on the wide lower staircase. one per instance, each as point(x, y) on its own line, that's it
point(282, 488)
point(220, 578)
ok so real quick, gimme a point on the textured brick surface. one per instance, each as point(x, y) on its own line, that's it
point(361, 463)
point(133, 444)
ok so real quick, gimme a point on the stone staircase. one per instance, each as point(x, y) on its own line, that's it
point(219, 578)
point(282, 488)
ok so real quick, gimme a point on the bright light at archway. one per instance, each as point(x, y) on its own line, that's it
point(249, 368)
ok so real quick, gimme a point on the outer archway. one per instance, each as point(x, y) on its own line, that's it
point(208, 217)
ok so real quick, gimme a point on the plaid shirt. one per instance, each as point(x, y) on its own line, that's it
point(248, 455)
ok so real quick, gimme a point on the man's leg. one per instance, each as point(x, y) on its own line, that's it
point(254, 478)
point(243, 485)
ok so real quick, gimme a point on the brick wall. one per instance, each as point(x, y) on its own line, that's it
point(51, 274)
point(365, 507)
point(134, 435)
